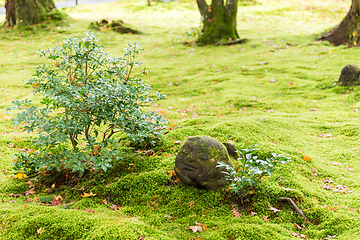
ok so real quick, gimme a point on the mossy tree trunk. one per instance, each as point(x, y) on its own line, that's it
point(27, 12)
point(219, 21)
point(348, 31)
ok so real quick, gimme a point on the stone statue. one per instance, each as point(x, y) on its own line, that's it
point(349, 76)
point(195, 164)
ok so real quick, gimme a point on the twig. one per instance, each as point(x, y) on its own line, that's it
point(298, 210)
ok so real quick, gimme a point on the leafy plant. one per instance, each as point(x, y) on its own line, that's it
point(252, 170)
point(89, 101)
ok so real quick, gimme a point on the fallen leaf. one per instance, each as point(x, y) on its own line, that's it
point(191, 204)
point(307, 158)
point(313, 109)
point(168, 216)
point(104, 201)
point(148, 152)
point(299, 227)
point(328, 180)
point(298, 235)
point(88, 194)
point(30, 192)
point(328, 187)
point(115, 207)
point(236, 213)
point(275, 210)
point(196, 228)
point(171, 173)
point(13, 195)
point(325, 135)
point(20, 176)
point(55, 201)
point(265, 218)
point(40, 230)
point(89, 211)
point(141, 237)
point(253, 213)
point(330, 237)
point(31, 185)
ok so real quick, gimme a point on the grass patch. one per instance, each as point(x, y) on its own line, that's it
point(223, 92)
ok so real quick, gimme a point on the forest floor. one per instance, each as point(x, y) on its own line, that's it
point(278, 90)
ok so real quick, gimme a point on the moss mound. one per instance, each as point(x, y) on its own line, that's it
point(117, 26)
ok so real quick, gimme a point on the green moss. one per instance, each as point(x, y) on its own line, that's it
point(201, 94)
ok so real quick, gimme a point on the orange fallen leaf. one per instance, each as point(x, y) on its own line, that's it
point(299, 227)
point(171, 173)
point(88, 194)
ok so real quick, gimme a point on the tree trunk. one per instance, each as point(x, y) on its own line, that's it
point(27, 12)
point(219, 21)
point(348, 31)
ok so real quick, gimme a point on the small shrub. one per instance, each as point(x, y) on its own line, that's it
point(90, 100)
point(252, 170)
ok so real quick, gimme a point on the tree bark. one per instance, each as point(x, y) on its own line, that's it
point(348, 31)
point(219, 21)
point(27, 12)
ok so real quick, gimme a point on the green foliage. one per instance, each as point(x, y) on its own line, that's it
point(89, 99)
point(252, 170)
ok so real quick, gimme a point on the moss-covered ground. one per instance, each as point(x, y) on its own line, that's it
point(276, 90)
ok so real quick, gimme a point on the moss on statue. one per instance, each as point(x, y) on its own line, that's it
point(195, 164)
point(349, 76)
